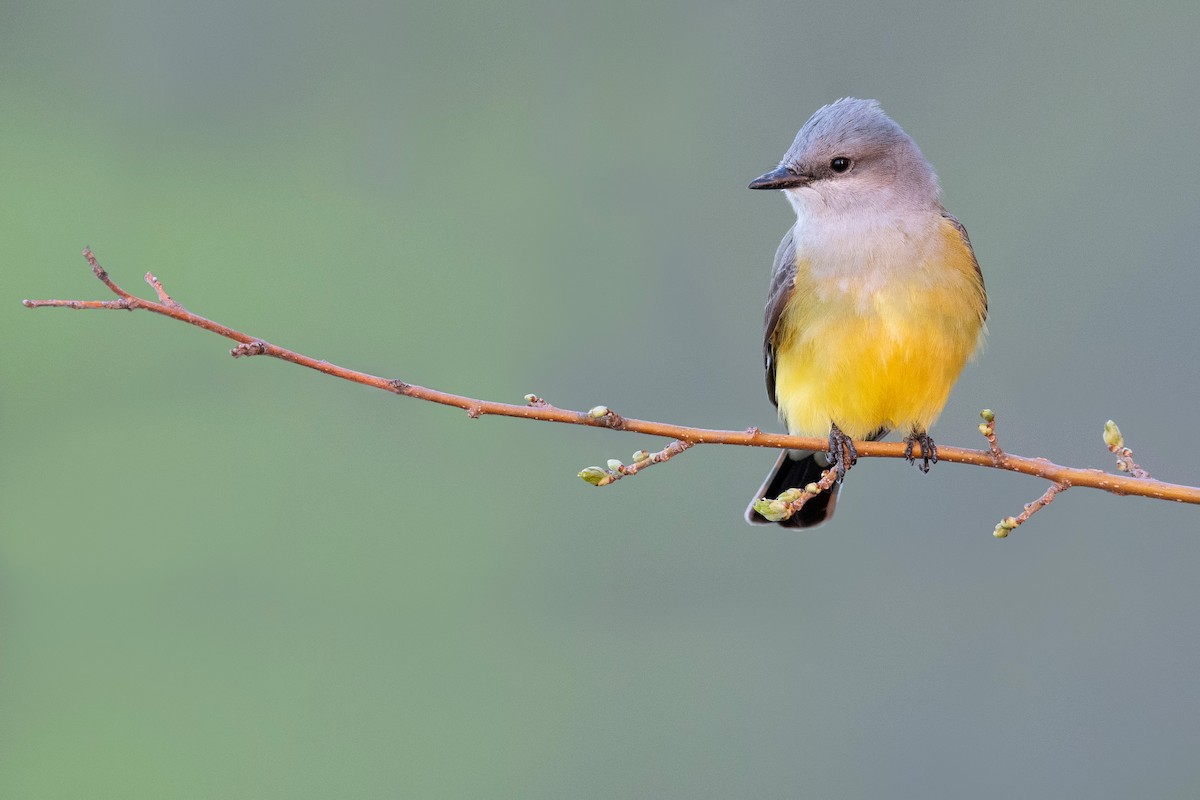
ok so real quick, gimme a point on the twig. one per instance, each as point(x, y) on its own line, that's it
point(1008, 524)
point(1116, 445)
point(250, 345)
point(792, 500)
point(988, 429)
point(163, 297)
point(599, 476)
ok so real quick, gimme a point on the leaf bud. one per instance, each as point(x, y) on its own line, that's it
point(596, 476)
point(1112, 436)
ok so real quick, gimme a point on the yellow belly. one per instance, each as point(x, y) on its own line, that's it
point(877, 353)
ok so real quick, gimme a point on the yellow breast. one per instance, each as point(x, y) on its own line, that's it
point(880, 346)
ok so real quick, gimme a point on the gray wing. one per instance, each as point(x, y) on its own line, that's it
point(967, 241)
point(783, 276)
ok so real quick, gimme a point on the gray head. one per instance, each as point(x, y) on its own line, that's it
point(850, 152)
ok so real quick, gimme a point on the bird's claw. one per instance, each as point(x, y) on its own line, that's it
point(842, 453)
point(928, 450)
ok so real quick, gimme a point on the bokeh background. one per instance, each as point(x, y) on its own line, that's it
point(227, 578)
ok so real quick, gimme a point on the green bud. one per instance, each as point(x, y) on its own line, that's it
point(1112, 436)
point(1006, 525)
point(598, 412)
point(812, 488)
point(984, 428)
point(772, 510)
point(988, 415)
point(791, 495)
point(640, 455)
point(596, 476)
point(529, 398)
point(615, 464)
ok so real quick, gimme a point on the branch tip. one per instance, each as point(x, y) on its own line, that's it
point(1112, 436)
point(1009, 524)
point(97, 270)
point(988, 429)
point(598, 476)
point(163, 297)
point(1116, 445)
point(792, 500)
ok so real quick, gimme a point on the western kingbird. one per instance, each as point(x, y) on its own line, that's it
point(876, 300)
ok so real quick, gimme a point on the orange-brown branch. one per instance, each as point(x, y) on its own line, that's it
point(538, 409)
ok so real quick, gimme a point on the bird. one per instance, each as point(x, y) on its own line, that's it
point(876, 300)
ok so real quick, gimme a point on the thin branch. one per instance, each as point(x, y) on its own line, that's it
point(599, 476)
point(1009, 524)
point(250, 345)
point(988, 429)
point(792, 500)
point(1116, 445)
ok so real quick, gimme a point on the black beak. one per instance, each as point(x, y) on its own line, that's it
point(779, 178)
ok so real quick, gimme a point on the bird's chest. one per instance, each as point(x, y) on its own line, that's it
point(885, 292)
point(869, 275)
point(875, 332)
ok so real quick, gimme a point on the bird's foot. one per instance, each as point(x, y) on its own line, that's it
point(928, 450)
point(842, 454)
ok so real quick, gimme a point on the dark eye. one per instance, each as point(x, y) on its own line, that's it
point(840, 164)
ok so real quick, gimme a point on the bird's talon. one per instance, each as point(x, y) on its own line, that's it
point(842, 453)
point(928, 450)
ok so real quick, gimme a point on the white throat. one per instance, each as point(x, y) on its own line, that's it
point(863, 245)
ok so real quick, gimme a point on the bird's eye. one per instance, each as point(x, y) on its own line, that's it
point(840, 164)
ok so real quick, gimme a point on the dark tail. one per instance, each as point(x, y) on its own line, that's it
point(795, 473)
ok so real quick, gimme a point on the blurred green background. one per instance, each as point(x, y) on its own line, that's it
point(227, 578)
